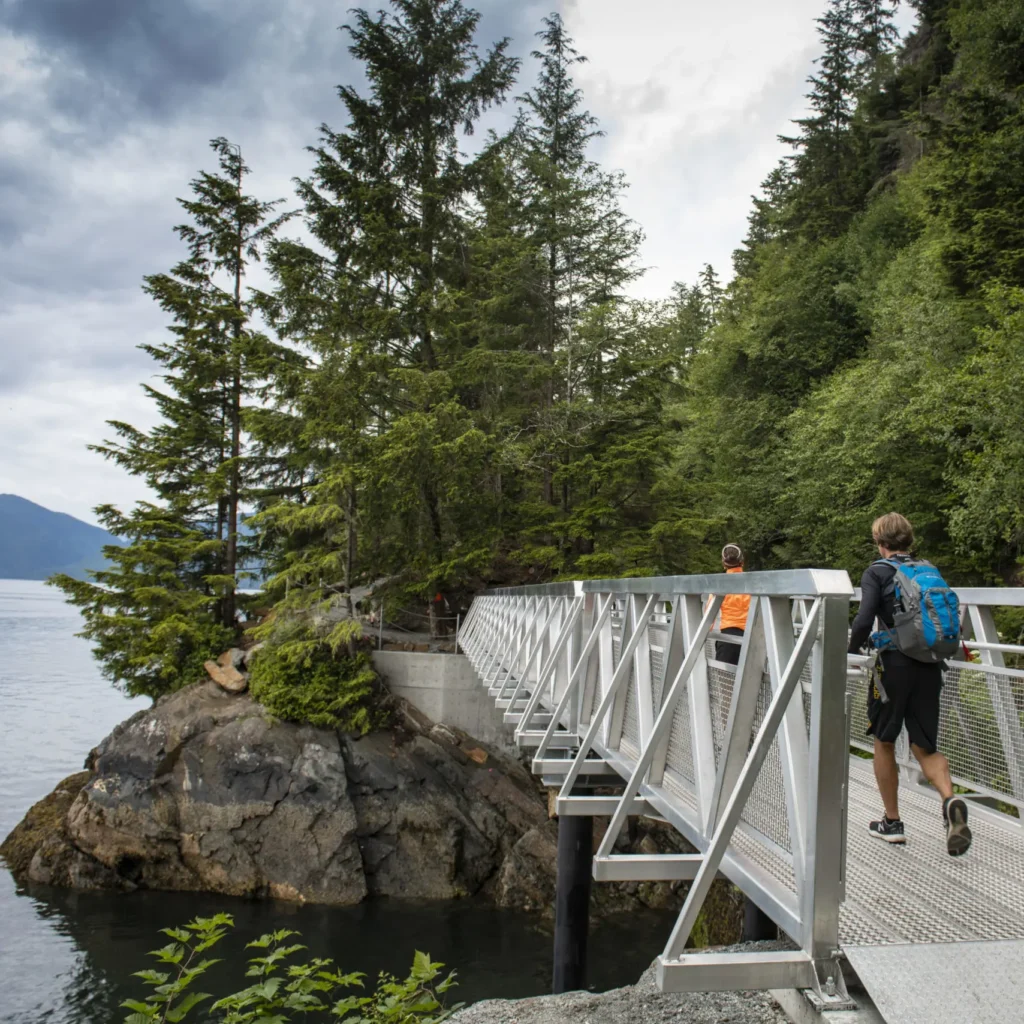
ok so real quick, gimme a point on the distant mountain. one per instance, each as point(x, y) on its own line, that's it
point(35, 542)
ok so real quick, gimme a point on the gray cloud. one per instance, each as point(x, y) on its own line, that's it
point(141, 55)
point(106, 110)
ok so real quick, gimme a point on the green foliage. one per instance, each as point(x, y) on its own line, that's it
point(153, 614)
point(281, 988)
point(868, 355)
point(168, 601)
point(461, 394)
point(323, 681)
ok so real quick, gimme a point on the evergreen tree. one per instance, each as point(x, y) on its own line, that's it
point(767, 218)
point(152, 614)
point(826, 167)
point(588, 249)
point(387, 200)
point(711, 292)
point(184, 550)
point(875, 33)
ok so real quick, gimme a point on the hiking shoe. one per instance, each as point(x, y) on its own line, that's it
point(958, 835)
point(890, 831)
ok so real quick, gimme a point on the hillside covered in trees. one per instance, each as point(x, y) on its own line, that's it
point(448, 385)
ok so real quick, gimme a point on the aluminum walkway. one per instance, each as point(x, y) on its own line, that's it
point(616, 686)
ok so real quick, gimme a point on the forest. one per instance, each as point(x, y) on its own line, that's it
point(448, 386)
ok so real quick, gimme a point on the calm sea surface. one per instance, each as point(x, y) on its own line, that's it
point(67, 958)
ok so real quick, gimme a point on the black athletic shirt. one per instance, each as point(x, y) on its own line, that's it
point(876, 602)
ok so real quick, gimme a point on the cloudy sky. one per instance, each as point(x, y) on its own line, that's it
point(107, 106)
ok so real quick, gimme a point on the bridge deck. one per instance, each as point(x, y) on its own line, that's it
point(917, 892)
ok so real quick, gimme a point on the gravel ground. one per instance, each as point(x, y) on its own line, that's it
point(641, 1003)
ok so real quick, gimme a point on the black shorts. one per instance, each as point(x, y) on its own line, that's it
point(913, 689)
point(727, 651)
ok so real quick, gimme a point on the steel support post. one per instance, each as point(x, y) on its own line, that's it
point(757, 925)
point(824, 852)
point(572, 902)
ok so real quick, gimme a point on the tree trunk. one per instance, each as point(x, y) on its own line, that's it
point(351, 545)
point(235, 414)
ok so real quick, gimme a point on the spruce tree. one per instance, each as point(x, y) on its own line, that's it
point(825, 164)
point(875, 32)
point(588, 249)
point(711, 292)
point(393, 452)
point(767, 218)
point(178, 575)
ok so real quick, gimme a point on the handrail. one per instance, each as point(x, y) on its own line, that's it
point(749, 762)
point(781, 582)
point(570, 589)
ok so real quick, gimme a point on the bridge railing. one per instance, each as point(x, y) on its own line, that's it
point(617, 681)
point(982, 703)
point(619, 678)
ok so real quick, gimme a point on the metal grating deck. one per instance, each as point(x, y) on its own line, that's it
point(917, 893)
point(939, 983)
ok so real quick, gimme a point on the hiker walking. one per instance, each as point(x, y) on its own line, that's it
point(735, 607)
point(920, 616)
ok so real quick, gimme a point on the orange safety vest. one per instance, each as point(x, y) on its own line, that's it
point(735, 608)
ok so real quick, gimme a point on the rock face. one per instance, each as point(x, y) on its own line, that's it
point(204, 792)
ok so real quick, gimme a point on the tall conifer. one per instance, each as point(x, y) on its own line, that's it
point(177, 577)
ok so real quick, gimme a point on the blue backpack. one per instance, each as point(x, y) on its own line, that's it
point(926, 613)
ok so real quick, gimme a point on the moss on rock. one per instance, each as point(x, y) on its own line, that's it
point(46, 821)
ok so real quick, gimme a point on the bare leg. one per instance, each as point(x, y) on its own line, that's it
point(887, 776)
point(936, 770)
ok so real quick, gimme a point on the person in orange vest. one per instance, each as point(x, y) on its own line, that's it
point(733, 617)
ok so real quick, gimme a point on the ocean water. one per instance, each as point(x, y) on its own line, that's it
point(67, 957)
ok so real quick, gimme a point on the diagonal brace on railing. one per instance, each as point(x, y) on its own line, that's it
point(661, 725)
point(619, 677)
point(534, 655)
point(502, 647)
point(515, 649)
point(548, 668)
point(730, 817)
point(578, 675)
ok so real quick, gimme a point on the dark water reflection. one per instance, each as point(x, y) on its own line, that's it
point(74, 962)
point(67, 958)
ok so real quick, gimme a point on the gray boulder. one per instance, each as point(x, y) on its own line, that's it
point(204, 791)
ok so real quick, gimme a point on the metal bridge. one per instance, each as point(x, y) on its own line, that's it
point(615, 686)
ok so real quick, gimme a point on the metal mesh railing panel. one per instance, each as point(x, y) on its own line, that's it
point(968, 729)
point(765, 809)
point(658, 637)
point(630, 719)
point(777, 864)
point(720, 685)
point(679, 756)
point(681, 788)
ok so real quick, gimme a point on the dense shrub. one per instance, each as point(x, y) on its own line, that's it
point(323, 681)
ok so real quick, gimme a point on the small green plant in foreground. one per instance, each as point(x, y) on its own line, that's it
point(282, 991)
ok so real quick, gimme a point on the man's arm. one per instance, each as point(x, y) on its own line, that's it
point(870, 603)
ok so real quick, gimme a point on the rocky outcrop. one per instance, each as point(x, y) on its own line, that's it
point(641, 1003)
point(205, 792)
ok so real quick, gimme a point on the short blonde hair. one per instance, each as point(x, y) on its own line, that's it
point(893, 531)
